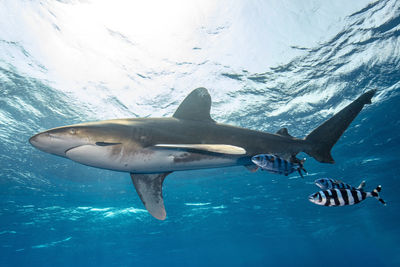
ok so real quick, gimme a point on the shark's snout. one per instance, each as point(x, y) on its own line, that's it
point(34, 140)
point(39, 140)
point(54, 142)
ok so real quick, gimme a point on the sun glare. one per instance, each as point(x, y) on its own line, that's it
point(95, 36)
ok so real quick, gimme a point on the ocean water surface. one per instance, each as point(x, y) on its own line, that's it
point(266, 64)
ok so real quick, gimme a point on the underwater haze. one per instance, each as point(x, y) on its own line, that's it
point(267, 65)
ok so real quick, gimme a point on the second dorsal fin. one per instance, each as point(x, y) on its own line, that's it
point(196, 106)
point(284, 132)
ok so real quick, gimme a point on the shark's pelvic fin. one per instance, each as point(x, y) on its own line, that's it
point(196, 106)
point(222, 149)
point(326, 135)
point(149, 189)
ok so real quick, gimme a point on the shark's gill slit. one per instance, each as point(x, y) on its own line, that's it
point(106, 144)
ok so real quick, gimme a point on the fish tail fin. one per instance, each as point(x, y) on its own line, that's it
point(375, 194)
point(324, 137)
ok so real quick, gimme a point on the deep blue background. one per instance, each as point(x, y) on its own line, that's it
point(56, 212)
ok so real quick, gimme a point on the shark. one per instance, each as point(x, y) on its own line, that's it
point(152, 148)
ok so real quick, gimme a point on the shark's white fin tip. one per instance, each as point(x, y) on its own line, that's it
point(214, 148)
point(149, 189)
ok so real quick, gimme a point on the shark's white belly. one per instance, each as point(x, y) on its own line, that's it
point(147, 160)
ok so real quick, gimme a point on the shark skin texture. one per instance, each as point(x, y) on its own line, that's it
point(152, 148)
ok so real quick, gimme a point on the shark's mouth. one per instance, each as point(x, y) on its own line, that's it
point(71, 148)
point(80, 151)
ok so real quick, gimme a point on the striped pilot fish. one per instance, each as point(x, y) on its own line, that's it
point(342, 197)
point(275, 164)
point(327, 183)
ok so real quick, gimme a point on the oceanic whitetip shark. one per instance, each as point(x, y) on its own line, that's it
point(151, 148)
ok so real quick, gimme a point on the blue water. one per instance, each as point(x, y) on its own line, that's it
point(57, 212)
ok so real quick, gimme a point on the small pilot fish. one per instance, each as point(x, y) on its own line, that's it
point(327, 183)
point(342, 197)
point(277, 165)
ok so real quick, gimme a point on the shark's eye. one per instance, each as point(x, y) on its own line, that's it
point(72, 131)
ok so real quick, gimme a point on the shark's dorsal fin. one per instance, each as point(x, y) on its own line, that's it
point(149, 189)
point(196, 106)
point(213, 148)
point(284, 132)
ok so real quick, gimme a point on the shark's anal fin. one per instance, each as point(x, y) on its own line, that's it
point(196, 106)
point(213, 148)
point(149, 189)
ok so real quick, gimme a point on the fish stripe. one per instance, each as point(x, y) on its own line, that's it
point(340, 196)
point(350, 197)
point(345, 196)
point(363, 194)
point(355, 196)
point(324, 198)
point(359, 195)
point(329, 198)
point(335, 197)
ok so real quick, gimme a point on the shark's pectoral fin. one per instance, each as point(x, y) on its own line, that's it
point(149, 189)
point(216, 148)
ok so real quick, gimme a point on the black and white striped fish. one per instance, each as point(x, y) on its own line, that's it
point(275, 164)
point(327, 183)
point(342, 197)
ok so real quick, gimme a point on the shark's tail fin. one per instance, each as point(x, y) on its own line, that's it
point(326, 135)
point(375, 194)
